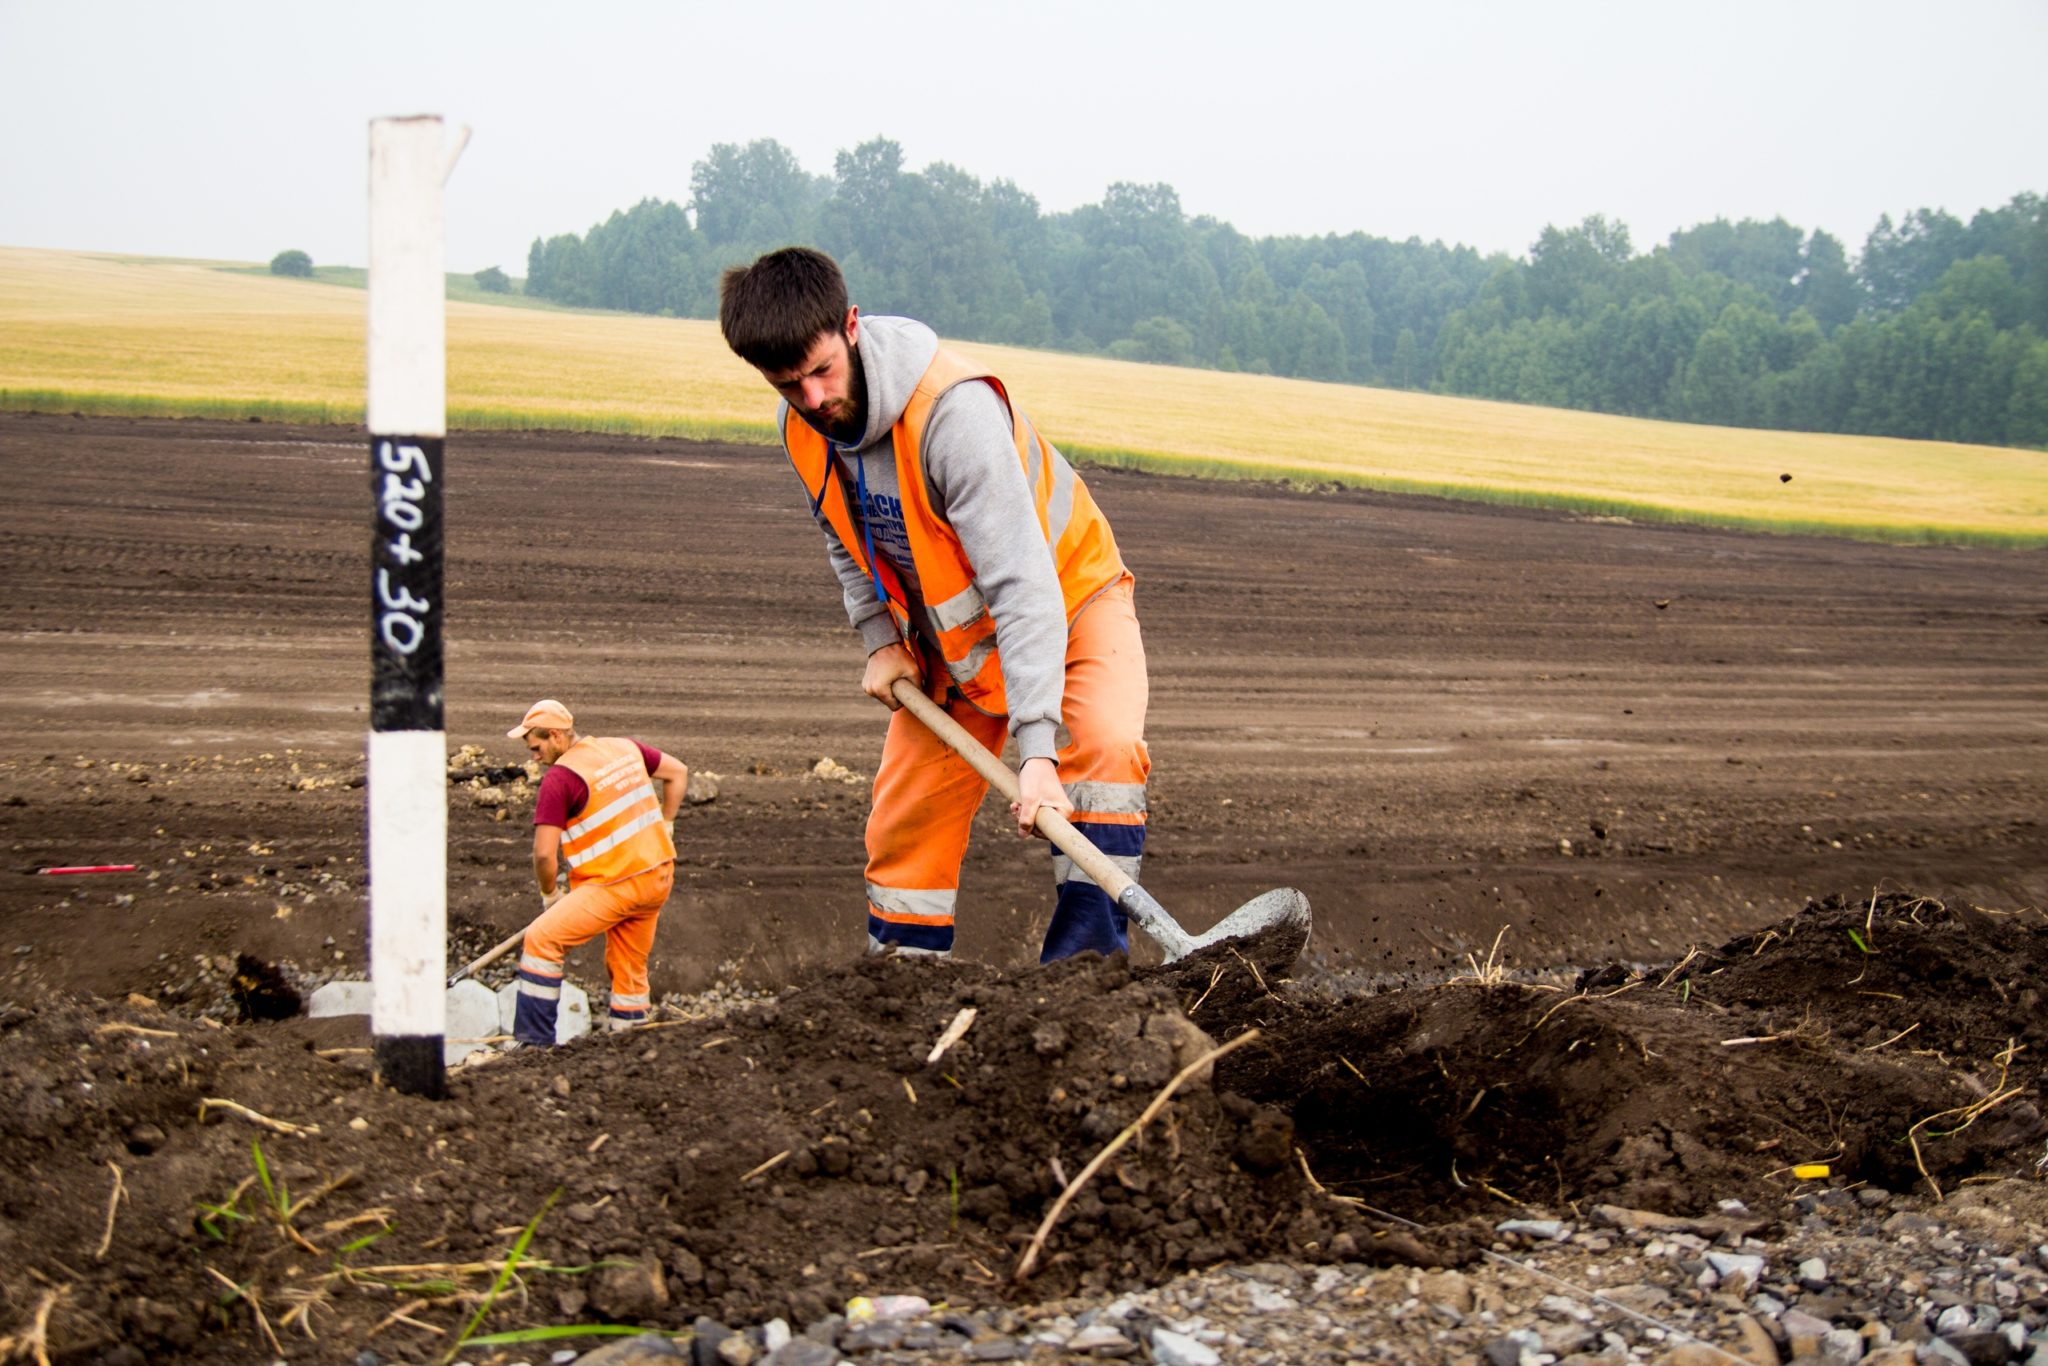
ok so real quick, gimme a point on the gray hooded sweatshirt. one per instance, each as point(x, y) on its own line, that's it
point(977, 485)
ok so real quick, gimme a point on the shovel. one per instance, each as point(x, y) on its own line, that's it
point(1275, 924)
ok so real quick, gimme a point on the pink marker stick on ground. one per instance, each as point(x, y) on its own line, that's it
point(90, 868)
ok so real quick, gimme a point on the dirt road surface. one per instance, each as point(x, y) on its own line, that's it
point(1411, 710)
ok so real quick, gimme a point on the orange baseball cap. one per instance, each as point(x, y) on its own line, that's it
point(546, 714)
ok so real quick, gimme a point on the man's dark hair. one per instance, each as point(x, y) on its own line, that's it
point(773, 311)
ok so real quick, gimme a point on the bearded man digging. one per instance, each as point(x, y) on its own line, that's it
point(974, 563)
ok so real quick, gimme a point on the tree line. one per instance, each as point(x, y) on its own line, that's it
point(1938, 329)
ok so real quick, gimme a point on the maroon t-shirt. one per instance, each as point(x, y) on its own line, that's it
point(563, 792)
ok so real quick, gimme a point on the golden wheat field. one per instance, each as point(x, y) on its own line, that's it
point(140, 335)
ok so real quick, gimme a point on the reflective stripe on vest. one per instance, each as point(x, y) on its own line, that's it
point(1084, 551)
point(620, 831)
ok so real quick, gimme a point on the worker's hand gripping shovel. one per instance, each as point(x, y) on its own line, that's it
point(1276, 923)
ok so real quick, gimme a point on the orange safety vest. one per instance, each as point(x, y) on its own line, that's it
point(620, 831)
point(1083, 549)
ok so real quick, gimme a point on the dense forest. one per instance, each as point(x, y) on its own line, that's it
point(1938, 329)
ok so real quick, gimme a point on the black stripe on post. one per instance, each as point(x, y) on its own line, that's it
point(405, 583)
point(413, 1064)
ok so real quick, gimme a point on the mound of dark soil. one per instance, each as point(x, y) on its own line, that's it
point(1896, 1042)
point(807, 1150)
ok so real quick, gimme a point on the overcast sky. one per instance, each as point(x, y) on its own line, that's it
point(234, 130)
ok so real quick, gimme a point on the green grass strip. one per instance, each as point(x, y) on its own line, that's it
point(611, 424)
point(1310, 479)
point(88, 404)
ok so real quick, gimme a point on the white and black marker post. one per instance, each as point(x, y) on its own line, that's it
point(408, 747)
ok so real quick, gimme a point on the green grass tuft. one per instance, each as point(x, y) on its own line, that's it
point(505, 1274)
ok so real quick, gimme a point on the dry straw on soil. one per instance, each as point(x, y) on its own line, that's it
point(150, 336)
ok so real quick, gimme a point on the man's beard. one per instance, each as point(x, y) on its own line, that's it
point(846, 421)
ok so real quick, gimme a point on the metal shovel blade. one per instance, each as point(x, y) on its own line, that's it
point(1273, 926)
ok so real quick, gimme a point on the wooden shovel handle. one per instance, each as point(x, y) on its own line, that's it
point(1051, 824)
point(490, 957)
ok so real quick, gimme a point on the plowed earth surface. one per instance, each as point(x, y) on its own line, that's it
point(1647, 863)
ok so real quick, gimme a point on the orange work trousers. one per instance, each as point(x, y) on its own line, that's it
point(925, 797)
point(626, 914)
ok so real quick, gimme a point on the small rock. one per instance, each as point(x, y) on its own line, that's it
point(647, 1349)
point(1448, 1288)
point(630, 1293)
point(1620, 1216)
point(1734, 1267)
point(1694, 1354)
point(1842, 1345)
point(1757, 1346)
point(1096, 1335)
point(802, 1352)
point(1553, 1229)
point(1178, 1349)
point(888, 1307)
point(1507, 1351)
point(1813, 1273)
point(1803, 1331)
point(686, 1266)
point(1566, 1339)
point(1643, 1298)
point(775, 1335)
point(870, 1336)
point(1955, 1319)
point(705, 1335)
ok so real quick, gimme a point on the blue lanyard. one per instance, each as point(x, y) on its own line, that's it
point(860, 480)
